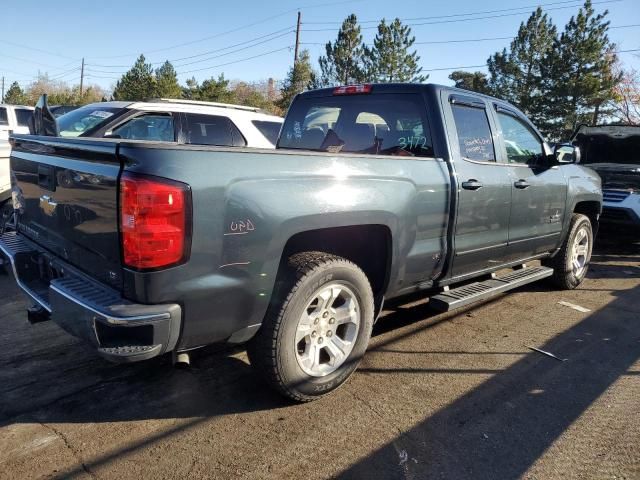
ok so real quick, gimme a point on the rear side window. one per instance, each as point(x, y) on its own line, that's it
point(154, 127)
point(270, 130)
point(4, 120)
point(383, 124)
point(23, 116)
point(474, 133)
point(213, 130)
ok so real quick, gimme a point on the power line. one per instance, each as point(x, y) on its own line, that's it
point(457, 14)
point(288, 47)
point(484, 65)
point(286, 30)
point(38, 50)
point(233, 30)
point(437, 22)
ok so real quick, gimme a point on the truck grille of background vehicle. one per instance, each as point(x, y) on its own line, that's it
point(614, 196)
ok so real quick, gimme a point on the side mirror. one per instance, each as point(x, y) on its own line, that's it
point(566, 153)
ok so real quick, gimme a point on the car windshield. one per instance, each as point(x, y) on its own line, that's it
point(77, 122)
point(383, 124)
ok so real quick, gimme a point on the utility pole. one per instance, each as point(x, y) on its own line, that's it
point(2, 97)
point(81, 76)
point(295, 58)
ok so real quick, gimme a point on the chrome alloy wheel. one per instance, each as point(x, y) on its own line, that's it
point(327, 330)
point(580, 252)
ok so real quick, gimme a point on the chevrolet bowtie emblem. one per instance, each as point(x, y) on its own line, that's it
point(48, 205)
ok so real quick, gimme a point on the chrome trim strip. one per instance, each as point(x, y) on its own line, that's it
point(115, 320)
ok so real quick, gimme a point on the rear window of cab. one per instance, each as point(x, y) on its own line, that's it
point(382, 124)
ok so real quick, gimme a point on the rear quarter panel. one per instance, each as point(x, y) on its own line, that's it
point(248, 203)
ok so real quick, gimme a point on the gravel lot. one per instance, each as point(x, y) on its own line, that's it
point(452, 396)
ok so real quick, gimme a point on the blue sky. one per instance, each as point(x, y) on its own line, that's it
point(52, 37)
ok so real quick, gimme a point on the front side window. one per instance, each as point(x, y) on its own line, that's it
point(213, 130)
point(4, 120)
point(153, 127)
point(523, 146)
point(23, 116)
point(474, 133)
point(384, 124)
point(82, 120)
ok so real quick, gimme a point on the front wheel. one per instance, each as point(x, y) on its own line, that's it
point(315, 334)
point(571, 263)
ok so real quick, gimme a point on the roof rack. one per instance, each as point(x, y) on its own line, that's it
point(207, 104)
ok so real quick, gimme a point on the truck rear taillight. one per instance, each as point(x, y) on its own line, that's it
point(155, 221)
point(352, 89)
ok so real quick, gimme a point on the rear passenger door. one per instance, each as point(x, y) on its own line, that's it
point(539, 188)
point(484, 187)
point(202, 129)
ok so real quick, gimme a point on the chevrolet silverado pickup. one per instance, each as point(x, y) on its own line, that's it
point(373, 192)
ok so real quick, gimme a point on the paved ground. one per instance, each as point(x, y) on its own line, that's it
point(452, 396)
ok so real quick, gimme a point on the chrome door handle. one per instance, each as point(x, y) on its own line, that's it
point(522, 184)
point(472, 184)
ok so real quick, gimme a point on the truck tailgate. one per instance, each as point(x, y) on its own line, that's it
point(70, 201)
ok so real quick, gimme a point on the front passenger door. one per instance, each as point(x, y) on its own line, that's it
point(539, 189)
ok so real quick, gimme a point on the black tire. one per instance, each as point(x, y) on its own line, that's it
point(565, 276)
point(273, 351)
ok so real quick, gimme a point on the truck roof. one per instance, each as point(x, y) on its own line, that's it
point(401, 88)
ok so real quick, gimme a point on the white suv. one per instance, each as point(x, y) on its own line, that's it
point(14, 118)
point(181, 121)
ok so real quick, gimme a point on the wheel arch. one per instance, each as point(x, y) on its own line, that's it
point(369, 246)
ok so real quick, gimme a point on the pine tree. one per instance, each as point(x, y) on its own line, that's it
point(137, 84)
point(15, 95)
point(473, 81)
point(581, 72)
point(167, 85)
point(343, 63)
point(389, 60)
point(301, 77)
point(518, 75)
point(215, 90)
point(191, 91)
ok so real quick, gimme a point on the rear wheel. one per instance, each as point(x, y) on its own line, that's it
point(571, 263)
point(315, 335)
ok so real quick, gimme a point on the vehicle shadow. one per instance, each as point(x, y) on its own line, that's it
point(500, 428)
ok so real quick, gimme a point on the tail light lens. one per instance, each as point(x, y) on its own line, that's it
point(155, 221)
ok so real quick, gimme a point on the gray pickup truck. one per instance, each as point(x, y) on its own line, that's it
point(373, 192)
